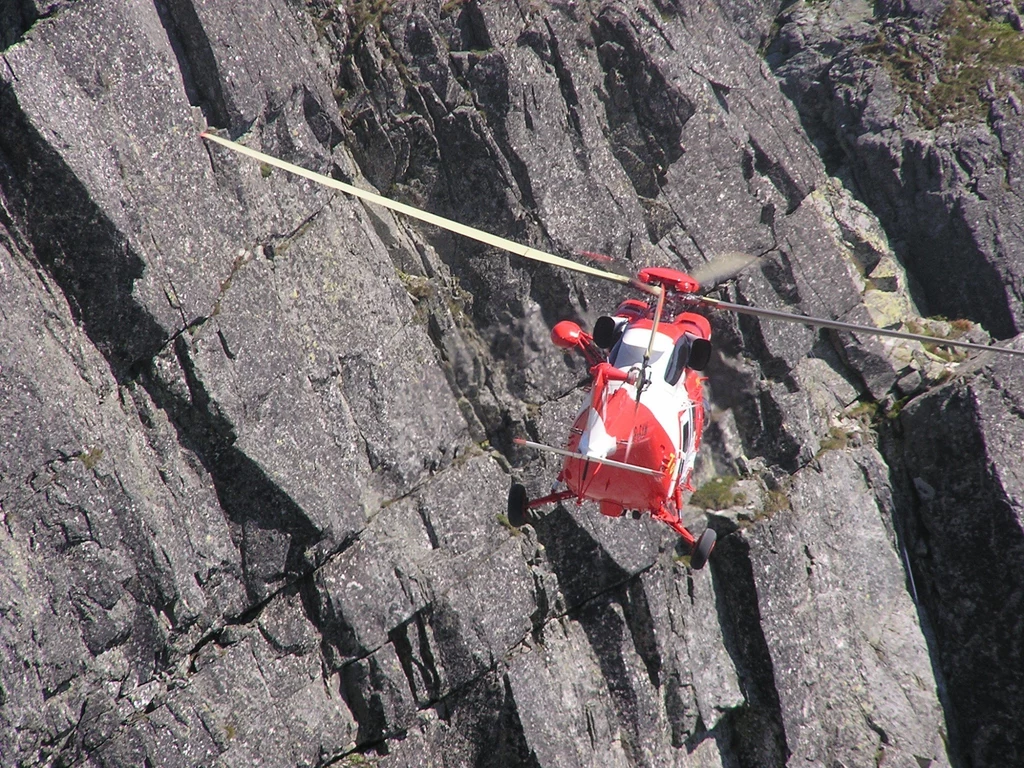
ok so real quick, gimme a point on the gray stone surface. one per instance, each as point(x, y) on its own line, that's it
point(965, 535)
point(944, 186)
point(852, 674)
point(255, 437)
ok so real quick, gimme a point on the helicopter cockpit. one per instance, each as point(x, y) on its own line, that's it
point(630, 349)
point(668, 359)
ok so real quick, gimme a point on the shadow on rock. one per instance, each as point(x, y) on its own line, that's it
point(94, 265)
point(610, 606)
point(756, 733)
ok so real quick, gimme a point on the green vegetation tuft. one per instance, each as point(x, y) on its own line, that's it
point(718, 494)
point(357, 760)
point(954, 329)
point(836, 440)
point(865, 411)
point(503, 519)
point(943, 73)
point(91, 457)
point(367, 13)
point(947, 354)
point(893, 411)
point(960, 327)
point(775, 501)
point(417, 286)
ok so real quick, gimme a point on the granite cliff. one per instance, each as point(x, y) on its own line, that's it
point(255, 436)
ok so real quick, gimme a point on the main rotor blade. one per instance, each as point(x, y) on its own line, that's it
point(654, 329)
point(838, 325)
point(430, 218)
point(644, 367)
point(721, 268)
point(584, 457)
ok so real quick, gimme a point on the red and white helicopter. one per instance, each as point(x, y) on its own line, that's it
point(633, 445)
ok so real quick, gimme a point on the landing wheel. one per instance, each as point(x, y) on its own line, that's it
point(702, 549)
point(517, 505)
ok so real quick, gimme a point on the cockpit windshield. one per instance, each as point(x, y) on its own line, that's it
point(630, 349)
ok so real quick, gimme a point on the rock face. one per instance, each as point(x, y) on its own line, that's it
point(255, 437)
point(934, 152)
point(965, 532)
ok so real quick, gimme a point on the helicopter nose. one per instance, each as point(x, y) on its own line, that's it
point(595, 440)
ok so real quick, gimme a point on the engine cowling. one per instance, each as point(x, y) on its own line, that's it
point(566, 335)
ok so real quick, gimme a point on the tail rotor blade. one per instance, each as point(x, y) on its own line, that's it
point(595, 256)
point(838, 325)
point(430, 218)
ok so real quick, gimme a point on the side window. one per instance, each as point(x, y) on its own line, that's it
point(676, 364)
point(687, 434)
point(613, 356)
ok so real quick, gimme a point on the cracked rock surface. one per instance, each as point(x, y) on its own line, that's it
point(256, 437)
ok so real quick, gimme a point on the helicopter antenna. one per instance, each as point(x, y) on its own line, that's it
point(430, 218)
point(838, 325)
point(584, 457)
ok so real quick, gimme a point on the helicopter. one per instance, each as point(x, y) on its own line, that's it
point(633, 444)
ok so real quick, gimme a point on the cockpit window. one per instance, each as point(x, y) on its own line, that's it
point(630, 349)
point(627, 355)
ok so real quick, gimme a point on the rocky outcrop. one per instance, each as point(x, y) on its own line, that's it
point(934, 154)
point(931, 142)
point(964, 530)
point(256, 436)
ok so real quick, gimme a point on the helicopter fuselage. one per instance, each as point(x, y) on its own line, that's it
point(659, 430)
point(633, 445)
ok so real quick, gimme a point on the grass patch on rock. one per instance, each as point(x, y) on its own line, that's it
point(836, 440)
point(91, 457)
point(944, 72)
point(718, 494)
point(775, 501)
point(507, 524)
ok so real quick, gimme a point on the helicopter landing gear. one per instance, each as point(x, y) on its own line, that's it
point(518, 505)
point(702, 549)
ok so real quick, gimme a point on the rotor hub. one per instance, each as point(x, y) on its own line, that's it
point(669, 279)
